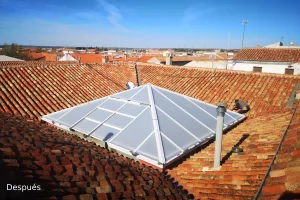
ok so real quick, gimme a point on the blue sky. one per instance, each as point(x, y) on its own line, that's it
point(145, 23)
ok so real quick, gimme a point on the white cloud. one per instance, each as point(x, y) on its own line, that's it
point(194, 12)
point(114, 14)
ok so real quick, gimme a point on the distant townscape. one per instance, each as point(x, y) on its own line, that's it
point(116, 123)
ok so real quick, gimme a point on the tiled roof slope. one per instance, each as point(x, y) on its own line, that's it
point(241, 173)
point(67, 167)
point(265, 93)
point(35, 90)
point(16, 63)
point(284, 179)
point(145, 58)
point(118, 73)
point(268, 54)
point(88, 58)
point(43, 56)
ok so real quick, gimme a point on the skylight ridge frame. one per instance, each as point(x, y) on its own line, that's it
point(176, 122)
point(160, 149)
point(126, 100)
point(185, 111)
point(122, 98)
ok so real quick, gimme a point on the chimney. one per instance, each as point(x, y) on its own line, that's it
point(125, 56)
point(169, 59)
point(219, 133)
point(79, 59)
point(104, 59)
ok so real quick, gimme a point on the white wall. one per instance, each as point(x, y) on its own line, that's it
point(154, 61)
point(267, 68)
point(207, 64)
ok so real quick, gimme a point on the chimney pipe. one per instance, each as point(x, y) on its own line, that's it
point(169, 59)
point(104, 59)
point(137, 75)
point(219, 133)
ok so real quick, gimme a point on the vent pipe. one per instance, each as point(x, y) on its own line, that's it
point(169, 59)
point(137, 75)
point(221, 109)
point(104, 59)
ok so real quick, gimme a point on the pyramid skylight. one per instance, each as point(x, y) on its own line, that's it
point(154, 124)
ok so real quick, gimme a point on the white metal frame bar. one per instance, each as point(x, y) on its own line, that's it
point(144, 141)
point(116, 112)
point(96, 108)
point(200, 107)
point(125, 100)
point(190, 98)
point(111, 126)
point(113, 114)
point(178, 123)
point(128, 124)
point(74, 108)
point(185, 111)
point(172, 142)
point(155, 122)
point(87, 114)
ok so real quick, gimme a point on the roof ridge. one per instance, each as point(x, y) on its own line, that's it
point(157, 131)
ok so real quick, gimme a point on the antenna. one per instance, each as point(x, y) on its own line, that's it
point(281, 39)
point(245, 21)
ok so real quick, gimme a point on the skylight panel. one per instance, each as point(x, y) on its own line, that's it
point(151, 123)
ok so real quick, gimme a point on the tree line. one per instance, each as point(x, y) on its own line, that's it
point(14, 50)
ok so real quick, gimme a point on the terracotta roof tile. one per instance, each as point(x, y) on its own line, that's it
point(268, 54)
point(242, 173)
point(283, 179)
point(33, 91)
point(43, 56)
point(259, 90)
point(46, 168)
point(88, 58)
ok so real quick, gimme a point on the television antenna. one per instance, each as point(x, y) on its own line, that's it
point(245, 21)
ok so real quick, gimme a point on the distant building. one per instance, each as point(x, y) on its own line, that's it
point(269, 60)
point(211, 60)
point(67, 57)
point(43, 56)
point(280, 45)
point(7, 58)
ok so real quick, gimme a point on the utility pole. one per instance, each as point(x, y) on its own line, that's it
point(227, 50)
point(244, 23)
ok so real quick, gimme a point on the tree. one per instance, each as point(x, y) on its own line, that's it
point(15, 51)
point(39, 50)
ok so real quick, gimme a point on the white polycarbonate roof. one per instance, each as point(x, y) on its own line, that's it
point(156, 124)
